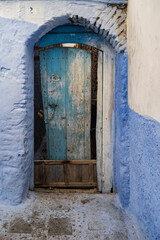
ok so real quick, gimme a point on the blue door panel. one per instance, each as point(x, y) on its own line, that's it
point(56, 103)
point(66, 92)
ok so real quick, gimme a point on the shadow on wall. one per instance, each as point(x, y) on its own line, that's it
point(121, 132)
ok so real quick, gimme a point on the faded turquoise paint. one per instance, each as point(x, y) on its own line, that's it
point(66, 91)
point(55, 107)
point(67, 112)
point(78, 103)
point(70, 34)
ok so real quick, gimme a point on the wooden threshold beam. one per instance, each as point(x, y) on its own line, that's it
point(57, 162)
point(63, 184)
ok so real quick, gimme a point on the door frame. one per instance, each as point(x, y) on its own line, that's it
point(105, 98)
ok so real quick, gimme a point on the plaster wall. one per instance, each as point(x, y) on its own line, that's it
point(144, 164)
point(144, 126)
point(22, 24)
point(121, 131)
point(144, 56)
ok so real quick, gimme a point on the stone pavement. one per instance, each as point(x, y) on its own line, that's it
point(66, 216)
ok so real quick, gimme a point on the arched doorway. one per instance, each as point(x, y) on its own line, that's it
point(67, 162)
point(109, 22)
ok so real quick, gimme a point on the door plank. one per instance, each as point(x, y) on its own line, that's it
point(56, 102)
point(99, 125)
point(75, 104)
point(44, 87)
point(87, 104)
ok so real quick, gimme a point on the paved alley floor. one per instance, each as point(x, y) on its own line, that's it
point(66, 216)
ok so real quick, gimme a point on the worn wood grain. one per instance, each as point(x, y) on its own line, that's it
point(66, 92)
point(66, 173)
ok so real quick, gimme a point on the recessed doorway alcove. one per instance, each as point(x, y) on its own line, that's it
point(72, 156)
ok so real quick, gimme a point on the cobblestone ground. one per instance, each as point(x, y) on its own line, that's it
point(66, 216)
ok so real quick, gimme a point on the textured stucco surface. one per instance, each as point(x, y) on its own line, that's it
point(144, 158)
point(136, 159)
point(144, 132)
point(105, 19)
point(121, 143)
point(16, 117)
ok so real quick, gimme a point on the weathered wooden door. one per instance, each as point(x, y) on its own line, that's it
point(66, 93)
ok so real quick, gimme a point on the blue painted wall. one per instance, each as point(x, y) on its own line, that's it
point(144, 140)
point(121, 144)
point(136, 159)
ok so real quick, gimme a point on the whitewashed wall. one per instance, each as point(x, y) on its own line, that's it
point(144, 56)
